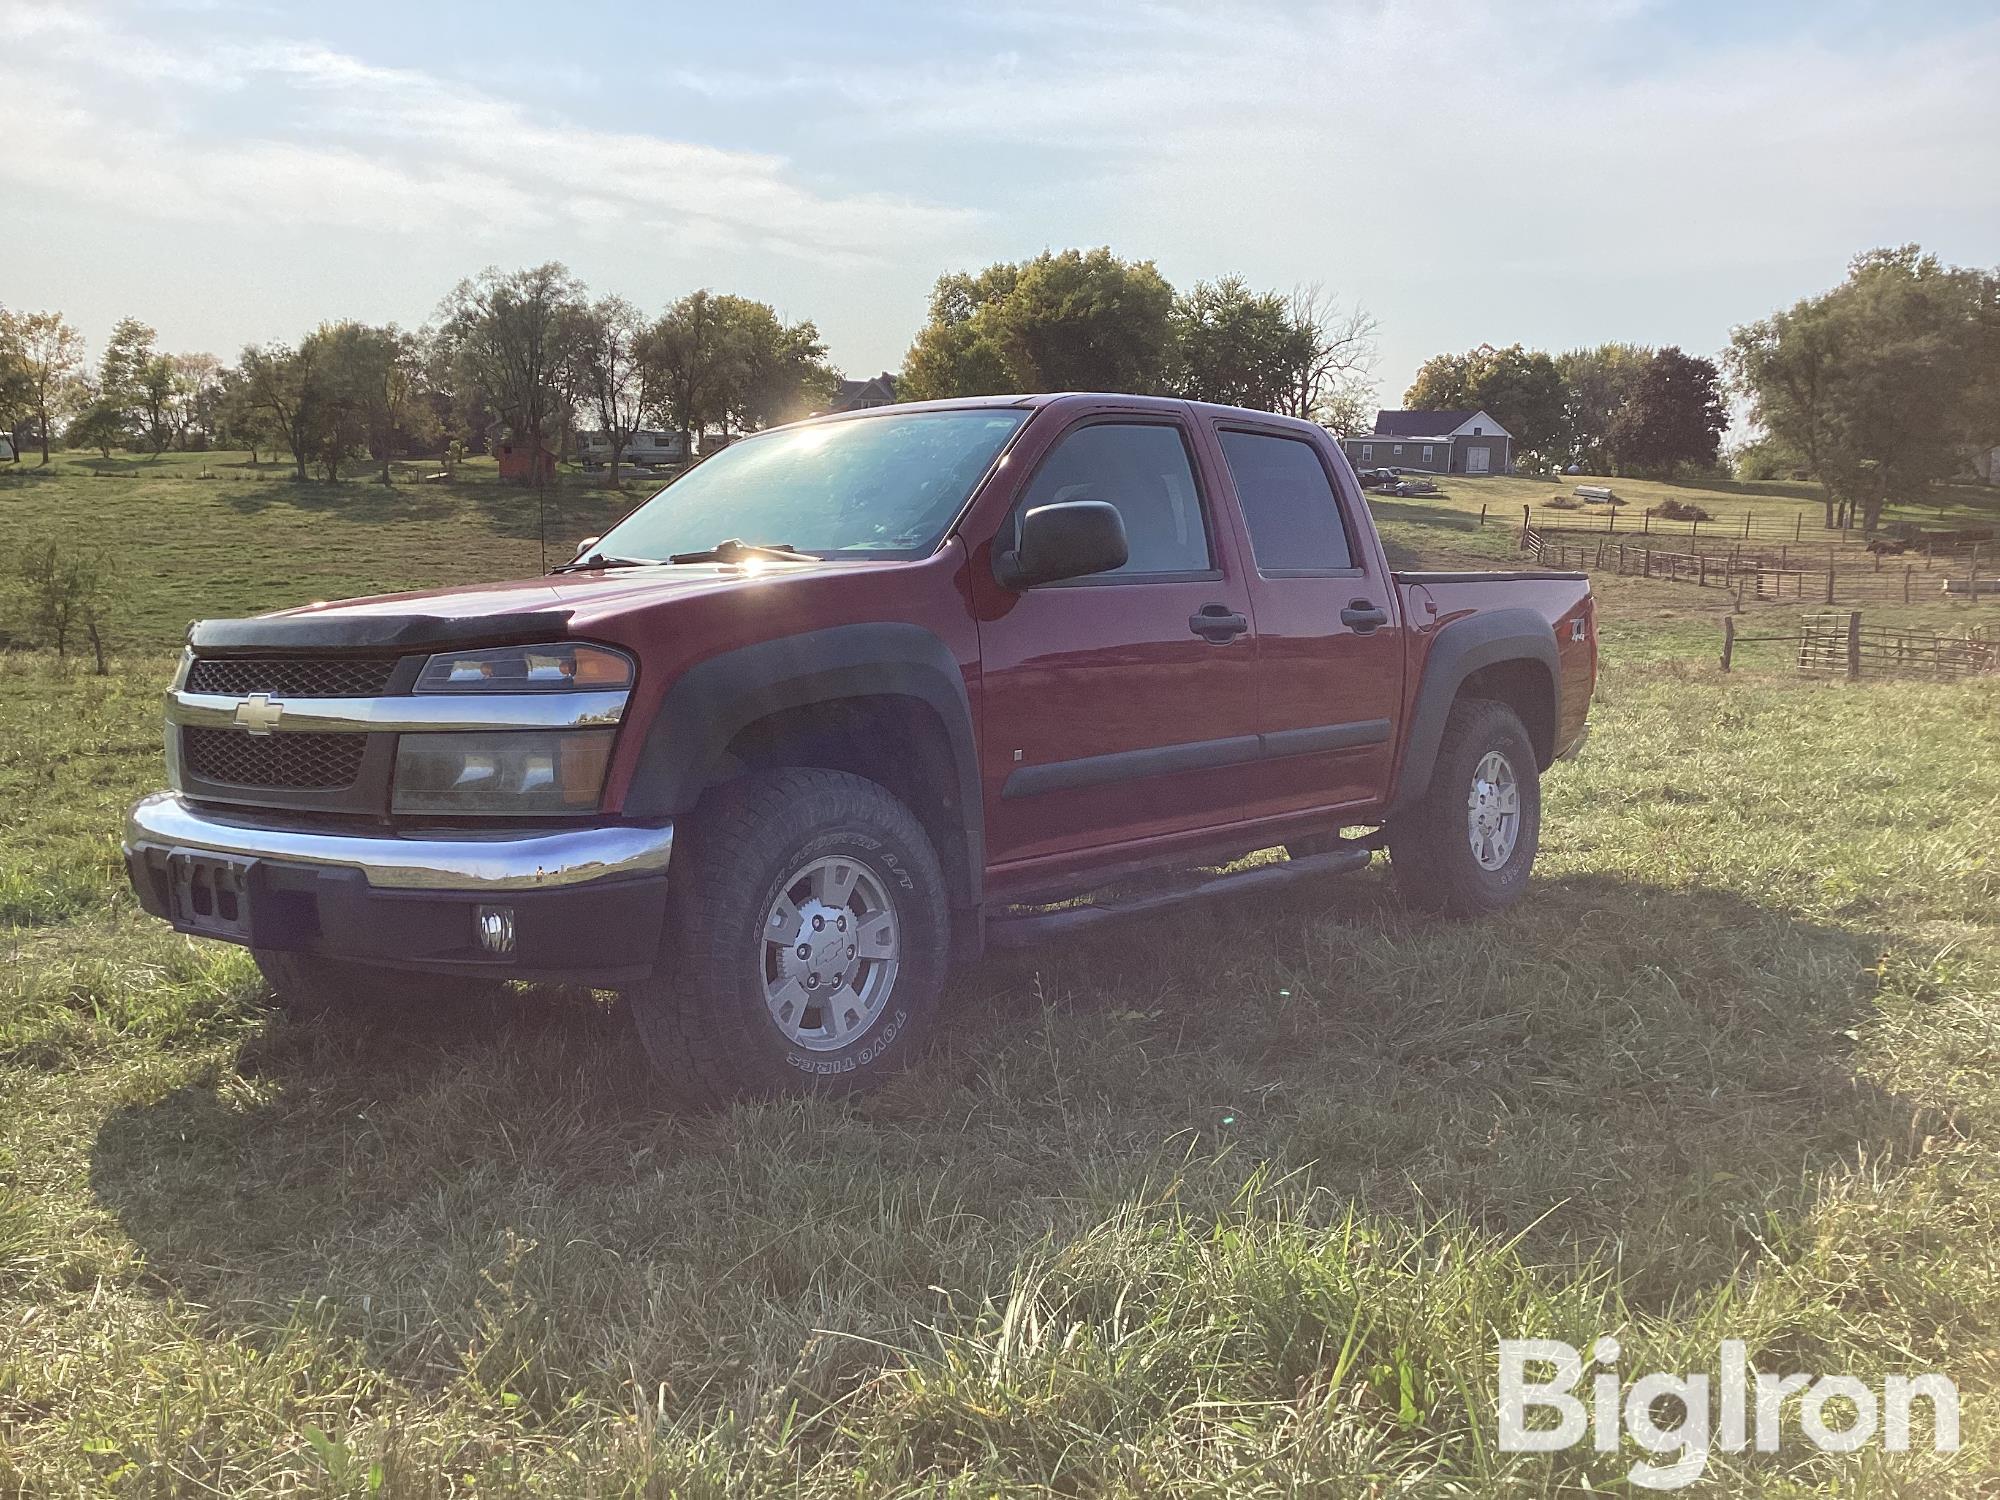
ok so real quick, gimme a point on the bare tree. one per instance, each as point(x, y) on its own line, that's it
point(617, 385)
point(1335, 377)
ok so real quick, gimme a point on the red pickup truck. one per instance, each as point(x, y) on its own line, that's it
point(847, 701)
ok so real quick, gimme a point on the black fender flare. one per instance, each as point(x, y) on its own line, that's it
point(1462, 648)
point(717, 698)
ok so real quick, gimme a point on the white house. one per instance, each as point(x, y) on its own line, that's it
point(1435, 442)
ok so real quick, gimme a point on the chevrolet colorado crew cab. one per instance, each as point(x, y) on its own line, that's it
point(847, 701)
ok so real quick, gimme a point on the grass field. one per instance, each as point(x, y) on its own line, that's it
point(1237, 1208)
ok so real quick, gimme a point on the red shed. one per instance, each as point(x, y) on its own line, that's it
point(525, 463)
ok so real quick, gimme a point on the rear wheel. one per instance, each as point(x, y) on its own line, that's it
point(806, 941)
point(308, 986)
point(1466, 848)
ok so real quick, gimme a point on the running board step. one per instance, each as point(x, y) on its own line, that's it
point(1020, 929)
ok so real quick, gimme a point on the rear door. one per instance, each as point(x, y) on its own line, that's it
point(1124, 706)
point(1329, 642)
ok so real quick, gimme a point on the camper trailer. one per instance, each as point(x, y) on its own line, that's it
point(649, 448)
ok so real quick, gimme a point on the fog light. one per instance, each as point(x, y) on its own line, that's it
point(496, 929)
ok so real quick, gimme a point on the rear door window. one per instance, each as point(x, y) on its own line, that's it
point(1288, 504)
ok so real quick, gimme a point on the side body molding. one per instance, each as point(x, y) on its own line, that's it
point(1462, 648)
point(714, 700)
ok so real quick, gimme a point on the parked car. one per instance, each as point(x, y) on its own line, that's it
point(1407, 487)
point(973, 659)
point(6, 449)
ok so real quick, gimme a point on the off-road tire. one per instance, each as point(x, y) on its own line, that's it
point(704, 1017)
point(309, 986)
point(1430, 846)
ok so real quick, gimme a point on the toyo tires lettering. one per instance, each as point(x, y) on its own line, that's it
point(872, 1049)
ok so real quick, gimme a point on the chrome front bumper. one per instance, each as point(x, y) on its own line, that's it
point(420, 860)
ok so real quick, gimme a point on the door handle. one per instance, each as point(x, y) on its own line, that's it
point(1217, 623)
point(1363, 616)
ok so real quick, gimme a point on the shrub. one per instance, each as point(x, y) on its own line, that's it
point(1678, 510)
point(63, 592)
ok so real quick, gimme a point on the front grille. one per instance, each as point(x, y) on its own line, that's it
point(292, 676)
point(301, 762)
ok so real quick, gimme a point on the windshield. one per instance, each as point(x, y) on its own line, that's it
point(882, 486)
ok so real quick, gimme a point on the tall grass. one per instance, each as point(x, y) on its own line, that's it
point(1233, 1204)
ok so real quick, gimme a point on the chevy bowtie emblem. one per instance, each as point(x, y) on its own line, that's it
point(258, 714)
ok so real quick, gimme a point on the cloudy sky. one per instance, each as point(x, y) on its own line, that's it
point(1554, 171)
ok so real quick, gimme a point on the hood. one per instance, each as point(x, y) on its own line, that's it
point(471, 614)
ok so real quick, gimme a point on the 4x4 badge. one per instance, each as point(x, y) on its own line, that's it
point(258, 714)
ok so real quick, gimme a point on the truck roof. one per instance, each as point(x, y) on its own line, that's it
point(1081, 398)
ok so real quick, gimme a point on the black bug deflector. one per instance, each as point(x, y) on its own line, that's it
point(335, 632)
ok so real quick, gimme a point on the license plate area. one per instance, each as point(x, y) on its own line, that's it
point(209, 894)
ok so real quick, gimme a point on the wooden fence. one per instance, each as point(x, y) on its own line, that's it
point(1840, 644)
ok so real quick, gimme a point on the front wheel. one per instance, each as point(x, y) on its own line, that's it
point(1466, 848)
point(806, 941)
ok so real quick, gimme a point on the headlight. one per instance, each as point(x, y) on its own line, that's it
point(524, 773)
point(565, 667)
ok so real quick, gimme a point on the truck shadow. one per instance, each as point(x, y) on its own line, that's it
point(1614, 1064)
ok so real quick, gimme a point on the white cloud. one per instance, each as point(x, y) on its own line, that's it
point(1548, 170)
point(98, 112)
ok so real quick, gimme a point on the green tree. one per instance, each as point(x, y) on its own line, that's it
point(777, 371)
point(513, 339)
point(1520, 388)
point(1877, 384)
point(99, 423)
point(41, 357)
point(1674, 415)
point(287, 388)
point(123, 373)
point(954, 353)
point(1068, 320)
point(377, 396)
point(1237, 347)
point(239, 421)
point(159, 396)
point(718, 360)
point(1087, 321)
point(1596, 383)
point(689, 355)
point(191, 398)
point(14, 403)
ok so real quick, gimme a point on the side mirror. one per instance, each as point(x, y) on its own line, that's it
point(1070, 539)
point(583, 547)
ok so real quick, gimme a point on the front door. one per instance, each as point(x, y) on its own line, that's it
point(1120, 707)
point(1475, 460)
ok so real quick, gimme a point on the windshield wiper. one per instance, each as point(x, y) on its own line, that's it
point(599, 560)
point(732, 549)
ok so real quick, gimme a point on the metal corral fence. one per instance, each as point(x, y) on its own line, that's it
point(1752, 528)
point(1748, 527)
point(1840, 644)
point(1823, 573)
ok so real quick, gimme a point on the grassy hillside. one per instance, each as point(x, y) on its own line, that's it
point(191, 535)
point(1232, 1207)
